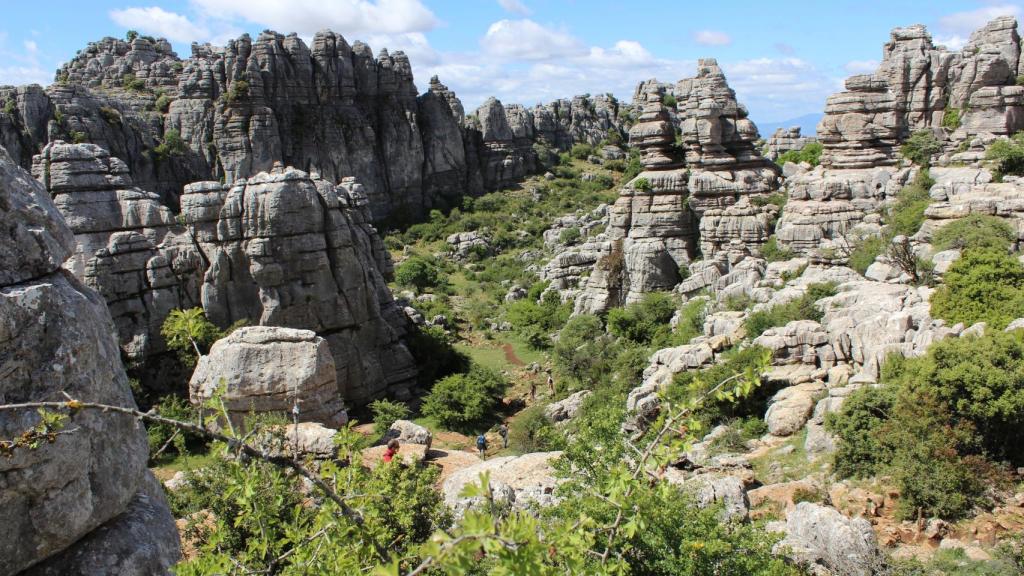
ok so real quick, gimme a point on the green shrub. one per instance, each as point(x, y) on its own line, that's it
point(644, 321)
point(690, 324)
point(420, 273)
point(172, 145)
point(239, 90)
point(802, 308)
point(668, 100)
point(464, 401)
point(10, 107)
point(162, 103)
point(167, 438)
point(435, 354)
point(581, 151)
point(189, 333)
point(614, 137)
point(772, 252)
point(633, 166)
point(570, 236)
point(386, 413)
point(863, 252)
point(642, 184)
point(976, 231)
point(130, 82)
point(920, 147)
point(906, 214)
point(531, 431)
point(776, 198)
point(859, 452)
point(536, 320)
point(110, 115)
point(692, 383)
point(810, 153)
point(1007, 155)
point(981, 286)
point(951, 118)
point(583, 353)
point(79, 137)
point(131, 35)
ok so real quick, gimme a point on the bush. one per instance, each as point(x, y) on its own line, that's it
point(435, 354)
point(614, 137)
point(976, 231)
point(906, 215)
point(531, 431)
point(581, 151)
point(570, 236)
point(863, 252)
point(1007, 155)
point(859, 452)
point(162, 103)
point(79, 137)
point(981, 286)
point(690, 324)
point(172, 145)
point(951, 119)
point(920, 147)
point(644, 321)
point(772, 252)
point(165, 437)
point(130, 82)
point(386, 413)
point(669, 100)
point(802, 308)
point(535, 321)
point(239, 90)
point(10, 107)
point(110, 115)
point(465, 401)
point(642, 184)
point(420, 273)
point(189, 333)
point(810, 153)
point(692, 383)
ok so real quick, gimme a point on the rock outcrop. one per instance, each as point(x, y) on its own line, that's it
point(520, 481)
point(262, 369)
point(286, 249)
point(821, 538)
point(784, 140)
point(76, 500)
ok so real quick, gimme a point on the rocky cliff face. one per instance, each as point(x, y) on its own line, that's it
point(700, 170)
point(328, 107)
point(68, 502)
point(785, 139)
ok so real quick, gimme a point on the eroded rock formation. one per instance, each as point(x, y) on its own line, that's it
point(72, 501)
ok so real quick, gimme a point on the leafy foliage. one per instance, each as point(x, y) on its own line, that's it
point(385, 413)
point(238, 91)
point(189, 333)
point(420, 273)
point(172, 145)
point(810, 153)
point(581, 151)
point(772, 252)
point(462, 401)
point(976, 231)
point(130, 82)
point(863, 251)
point(534, 320)
point(435, 354)
point(570, 236)
point(906, 215)
point(645, 321)
point(802, 308)
point(669, 100)
point(920, 147)
point(167, 438)
point(1007, 155)
point(951, 118)
point(981, 286)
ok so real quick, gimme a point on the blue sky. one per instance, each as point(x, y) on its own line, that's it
point(782, 58)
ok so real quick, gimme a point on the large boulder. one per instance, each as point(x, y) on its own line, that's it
point(408, 432)
point(822, 538)
point(270, 369)
point(523, 480)
point(58, 337)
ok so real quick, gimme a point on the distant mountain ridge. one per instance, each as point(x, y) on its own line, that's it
point(808, 124)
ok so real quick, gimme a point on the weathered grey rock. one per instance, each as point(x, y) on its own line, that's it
point(742, 227)
point(58, 337)
point(408, 432)
point(821, 538)
point(800, 341)
point(270, 369)
point(464, 244)
point(784, 140)
point(728, 491)
point(567, 408)
point(522, 481)
point(285, 249)
point(791, 407)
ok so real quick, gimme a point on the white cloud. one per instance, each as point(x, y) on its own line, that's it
point(159, 22)
point(22, 66)
point(861, 66)
point(711, 38)
point(775, 88)
point(527, 40)
point(952, 42)
point(960, 24)
point(515, 7)
point(353, 18)
point(31, 47)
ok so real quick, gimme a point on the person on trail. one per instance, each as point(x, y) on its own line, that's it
point(533, 390)
point(389, 454)
point(481, 445)
point(551, 383)
point(503, 432)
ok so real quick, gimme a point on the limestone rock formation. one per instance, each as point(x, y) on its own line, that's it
point(784, 140)
point(270, 369)
point(128, 246)
point(820, 537)
point(57, 337)
point(285, 249)
point(408, 432)
point(567, 408)
point(521, 480)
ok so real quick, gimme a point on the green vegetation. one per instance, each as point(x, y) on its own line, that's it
point(1007, 155)
point(78, 137)
point(642, 184)
point(189, 334)
point(1007, 560)
point(166, 441)
point(975, 232)
point(772, 252)
point(10, 107)
point(130, 82)
point(110, 115)
point(646, 321)
point(669, 100)
point(532, 432)
point(162, 103)
point(421, 273)
point(538, 315)
point(171, 146)
point(905, 216)
point(920, 147)
point(386, 413)
point(238, 91)
point(981, 286)
point(863, 251)
point(131, 35)
point(810, 153)
point(435, 354)
point(802, 308)
point(951, 119)
point(938, 422)
point(570, 236)
point(466, 401)
point(581, 151)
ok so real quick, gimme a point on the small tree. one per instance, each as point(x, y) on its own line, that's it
point(189, 333)
point(419, 273)
point(131, 35)
point(386, 413)
point(463, 401)
point(920, 147)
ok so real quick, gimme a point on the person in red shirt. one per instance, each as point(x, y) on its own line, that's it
point(389, 454)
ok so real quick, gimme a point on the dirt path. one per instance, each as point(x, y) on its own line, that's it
point(510, 355)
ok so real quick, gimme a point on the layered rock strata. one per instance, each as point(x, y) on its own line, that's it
point(784, 140)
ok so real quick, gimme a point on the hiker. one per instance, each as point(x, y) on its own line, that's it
point(503, 432)
point(389, 454)
point(533, 390)
point(551, 383)
point(481, 445)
